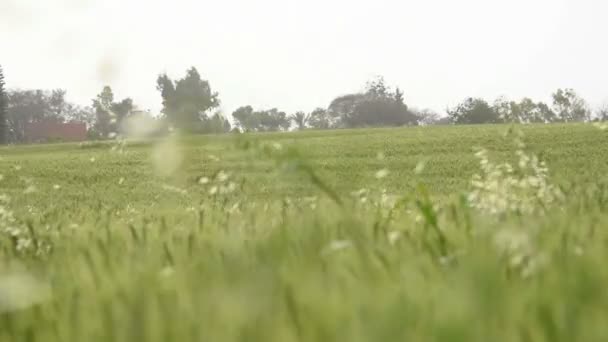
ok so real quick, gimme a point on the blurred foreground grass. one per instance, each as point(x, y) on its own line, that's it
point(261, 238)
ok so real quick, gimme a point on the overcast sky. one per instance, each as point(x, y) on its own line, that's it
point(300, 54)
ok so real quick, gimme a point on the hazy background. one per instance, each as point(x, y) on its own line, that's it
point(297, 55)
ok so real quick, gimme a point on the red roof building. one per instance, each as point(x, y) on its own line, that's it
point(53, 131)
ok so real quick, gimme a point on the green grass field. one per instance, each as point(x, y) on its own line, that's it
point(350, 235)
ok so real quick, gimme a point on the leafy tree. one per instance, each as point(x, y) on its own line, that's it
point(377, 106)
point(58, 103)
point(473, 111)
point(273, 120)
point(215, 124)
point(28, 106)
point(319, 119)
point(300, 119)
point(602, 113)
point(249, 120)
point(524, 111)
point(3, 110)
point(25, 106)
point(76, 113)
point(245, 119)
point(109, 115)
point(427, 116)
point(105, 122)
point(122, 110)
point(569, 107)
point(186, 101)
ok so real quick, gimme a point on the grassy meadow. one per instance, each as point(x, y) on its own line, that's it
point(348, 235)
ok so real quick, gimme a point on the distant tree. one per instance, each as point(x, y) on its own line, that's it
point(25, 106)
point(167, 91)
point(105, 119)
point(473, 111)
point(377, 106)
point(109, 115)
point(28, 106)
point(319, 119)
point(57, 103)
point(186, 101)
point(3, 110)
point(215, 124)
point(524, 111)
point(427, 116)
point(249, 120)
point(244, 119)
point(568, 106)
point(122, 110)
point(273, 120)
point(300, 119)
point(602, 113)
point(76, 113)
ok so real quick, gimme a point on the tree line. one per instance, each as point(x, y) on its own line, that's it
point(189, 104)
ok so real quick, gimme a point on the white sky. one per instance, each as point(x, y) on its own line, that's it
point(300, 54)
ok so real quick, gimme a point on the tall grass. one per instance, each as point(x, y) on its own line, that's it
point(512, 256)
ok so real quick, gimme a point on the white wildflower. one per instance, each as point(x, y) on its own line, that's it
point(19, 291)
point(420, 167)
point(30, 189)
point(336, 245)
point(382, 173)
point(393, 237)
point(222, 176)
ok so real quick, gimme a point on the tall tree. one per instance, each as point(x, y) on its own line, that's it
point(300, 119)
point(602, 113)
point(3, 110)
point(58, 103)
point(105, 119)
point(568, 106)
point(187, 101)
point(122, 110)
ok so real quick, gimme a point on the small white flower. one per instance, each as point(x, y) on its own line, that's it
point(30, 189)
point(393, 237)
point(382, 173)
point(222, 176)
point(92, 160)
point(420, 167)
point(166, 272)
point(56, 187)
point(213, 190)
point(336, 245)
point(203, 180)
